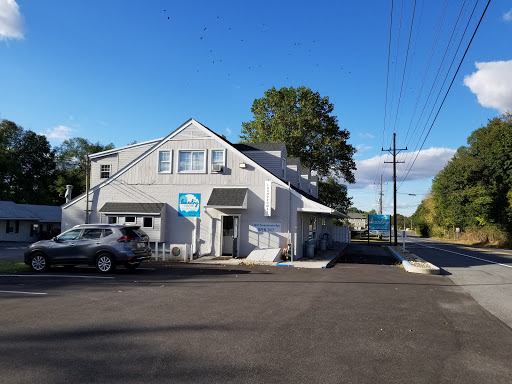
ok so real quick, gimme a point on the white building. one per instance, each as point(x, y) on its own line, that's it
point(195, 187)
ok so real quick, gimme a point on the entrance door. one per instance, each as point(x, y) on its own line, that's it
point(230, 225)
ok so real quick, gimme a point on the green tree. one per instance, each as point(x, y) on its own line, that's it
point(27, 167)
point(71, 163)
point(474, 188)
point(303, 120)
point(334, 194)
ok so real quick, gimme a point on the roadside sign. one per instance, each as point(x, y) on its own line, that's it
point(379, 222)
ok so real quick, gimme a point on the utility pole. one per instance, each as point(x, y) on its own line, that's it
point(86, 189)
point(394, 153)
point(380, 196)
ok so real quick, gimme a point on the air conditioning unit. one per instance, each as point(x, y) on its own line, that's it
point(217, 167)
point(180, 252)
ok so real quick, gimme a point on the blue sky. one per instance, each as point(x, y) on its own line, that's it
point(117, 71)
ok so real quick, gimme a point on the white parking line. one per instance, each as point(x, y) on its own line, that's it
point(462, 254)
point(68, 276)
point(24, 293)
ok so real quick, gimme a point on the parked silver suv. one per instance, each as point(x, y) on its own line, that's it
point(102, 245)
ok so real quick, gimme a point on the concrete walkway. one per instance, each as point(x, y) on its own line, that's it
point(324, 259)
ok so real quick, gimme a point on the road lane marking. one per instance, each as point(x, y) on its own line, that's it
point(24, 293)
point(68, 276)
point(462, 254)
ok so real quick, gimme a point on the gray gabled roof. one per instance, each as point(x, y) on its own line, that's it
point(293, 160)
point(227, 197)
point(259, 147)
point(147, 208)
point(354, 215)
point(13, 211)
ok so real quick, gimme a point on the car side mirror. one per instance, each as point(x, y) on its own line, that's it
point(55, 239)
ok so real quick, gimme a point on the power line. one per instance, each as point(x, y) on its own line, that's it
point(450, 86)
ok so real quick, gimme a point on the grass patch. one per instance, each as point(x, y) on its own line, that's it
point(13, 267)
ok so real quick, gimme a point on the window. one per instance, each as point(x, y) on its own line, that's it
point(92, 233)
point(108, 232)
point(312, 228)
point(105, 171)
point(192, 161)
point(147, 222)
point(283, 167)
point(130, 220)
point(218, 156)
point(164, 162)
point(70, 235)
point(112, 220)
point(12, 225)
point(34, 230)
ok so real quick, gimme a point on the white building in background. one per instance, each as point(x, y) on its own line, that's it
point(195, 187)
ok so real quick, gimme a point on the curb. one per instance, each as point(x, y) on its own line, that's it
point(414, 269)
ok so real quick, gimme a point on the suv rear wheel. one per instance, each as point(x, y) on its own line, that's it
point(105, 263)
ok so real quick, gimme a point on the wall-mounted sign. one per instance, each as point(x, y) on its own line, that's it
point(379, 222)
point(189, 204)
point(265, 227)
point(268, 199)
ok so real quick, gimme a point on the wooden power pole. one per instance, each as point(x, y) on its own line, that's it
point(394, 152)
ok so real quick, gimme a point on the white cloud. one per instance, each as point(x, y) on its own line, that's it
point(492, 84)
point(427, 165)
point(367, 135)
point(228, 131)
point(507, 16)
point(59, 133)
point(11, 22)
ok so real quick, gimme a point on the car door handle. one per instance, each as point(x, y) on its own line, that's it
point(98, 242)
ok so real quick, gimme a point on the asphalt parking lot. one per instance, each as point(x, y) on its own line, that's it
point(354, 323)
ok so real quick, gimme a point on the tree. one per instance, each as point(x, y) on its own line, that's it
point(71, 163)
point(334, 194)
point(474, 188)
point(27, 167)
point(303, 120)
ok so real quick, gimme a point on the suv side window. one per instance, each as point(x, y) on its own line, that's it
point(70, 235)
point(108, 232)
point(91, 233)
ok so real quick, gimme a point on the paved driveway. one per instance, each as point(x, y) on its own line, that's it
point(353, 323)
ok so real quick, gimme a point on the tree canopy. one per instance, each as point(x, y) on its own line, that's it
point(71, 163)
point(27, 166)
point(303, 120)
point(334, 194)
point(475, 187)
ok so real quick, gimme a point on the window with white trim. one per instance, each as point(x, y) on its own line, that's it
point(112, 219)
point(218, 156)
point(130, 220)
point(104, 171)
point(164, 162)
point(192, 161)
point(147, 222)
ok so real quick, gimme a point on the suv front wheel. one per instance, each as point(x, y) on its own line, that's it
point(39, 262)
point(105, 263)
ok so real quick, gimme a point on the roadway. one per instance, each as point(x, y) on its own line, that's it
point(486, 274)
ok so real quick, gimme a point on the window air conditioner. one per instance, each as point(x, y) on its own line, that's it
point(217, 167)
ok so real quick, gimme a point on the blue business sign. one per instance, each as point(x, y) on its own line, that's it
point(379, 222)
point(189, 204)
